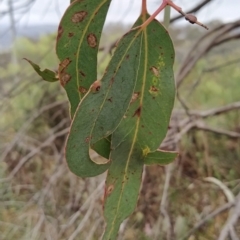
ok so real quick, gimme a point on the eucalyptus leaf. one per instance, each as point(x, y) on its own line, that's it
point(160, 157)
point(77, 45)
point(143, 127)
point(46, 74)
point(103, 107)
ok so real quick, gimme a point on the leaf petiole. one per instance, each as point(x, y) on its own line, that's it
point(165, 3)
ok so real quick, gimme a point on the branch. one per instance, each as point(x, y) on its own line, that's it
point(164, 201)
point(232, 220)
point(27, 124)
point(83, 222)
point(229, 195)
point(92, 198)
point(221, 65)
point(210, 40)
point(227, 133)
point(216, 111)
point(34, 152)
point(194, 9)
point(207, 218)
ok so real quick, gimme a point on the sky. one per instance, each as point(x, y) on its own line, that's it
point(43, 12)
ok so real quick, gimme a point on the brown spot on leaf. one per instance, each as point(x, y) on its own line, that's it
point(64, 64)
point(111, 81)
point(138, 112)
point(70, 34)
point(87, 139)
point(127, 57)
point(92, 40)
point(82, 73)
point(82, 90)
point(110, 99)
point(96, 86)
point(153, 89)
point(135, 97)
point(60, 32)
point(64, 78)
point(109, 190)
point(155, 71)
point(79, 16)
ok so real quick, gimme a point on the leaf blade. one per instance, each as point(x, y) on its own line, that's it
point(160, 157)
point(138, 128)
point(91, 121)
point(77, 45)
point(46, 74)
point(121, 189)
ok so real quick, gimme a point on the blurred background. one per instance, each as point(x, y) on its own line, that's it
point(196, 197)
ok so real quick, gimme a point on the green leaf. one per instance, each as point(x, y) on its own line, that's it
point(102, 147)
point(143, 127)
point(160, 157)
point(153, 99)
point(103, 107)
point(77, 46)
point(46, 74)
point(122, 187)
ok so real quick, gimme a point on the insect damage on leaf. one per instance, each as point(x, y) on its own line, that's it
point(79, 16)
point(155, 71)
point(145, 151)
point(108, 190)
point(78, 34)
point(96, 86)
point(88, 139)
point(134, 97)
point(82, 90)
point(64, 78)
point(64, 64)
point(138, 112)
point(60, 32)
point(153, 91)
point(92, 40)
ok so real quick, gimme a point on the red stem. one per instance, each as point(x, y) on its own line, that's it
point(163, 5)
point(144, 7)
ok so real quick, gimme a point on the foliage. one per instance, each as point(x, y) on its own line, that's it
point(138, 81)
point(44, 199)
